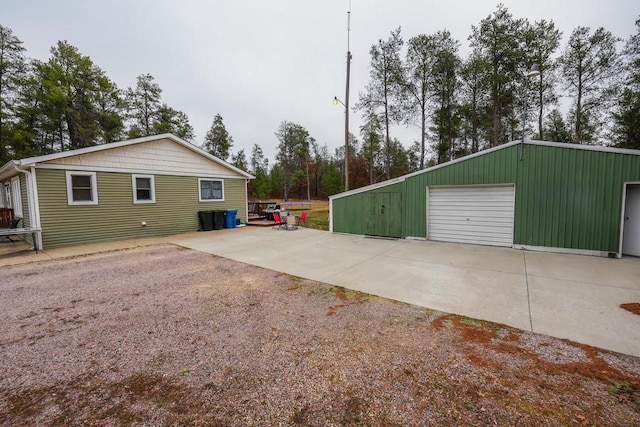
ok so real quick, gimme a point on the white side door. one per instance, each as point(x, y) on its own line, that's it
point(631, 237)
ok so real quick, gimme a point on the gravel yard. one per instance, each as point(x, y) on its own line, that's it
point(167, 336)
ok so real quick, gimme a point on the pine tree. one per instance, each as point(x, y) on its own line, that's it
point(218, 142)
point(383, 89)
point(12, 74)
point(497, 40)
point(588, 64)
point(168, 120)
point(239, 160)
point(143, 105)
point(626, 115)
point(541, 41)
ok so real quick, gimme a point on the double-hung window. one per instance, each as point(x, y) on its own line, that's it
point(82, 188)
point(16, 197)
point(144, 190)
point(211, 189)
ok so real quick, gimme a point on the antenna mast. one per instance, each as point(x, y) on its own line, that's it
point(346, 104)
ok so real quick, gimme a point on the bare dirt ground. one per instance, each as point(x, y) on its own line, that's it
point(168, 336)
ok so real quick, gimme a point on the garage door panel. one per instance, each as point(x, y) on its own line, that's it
point(478, 230)
point(479, 215)
point(497, 211)
point(495, 216)
point(471, 226)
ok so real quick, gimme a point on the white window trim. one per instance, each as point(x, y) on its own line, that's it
point(152, 182)
point(200, 192)
point(2, 196)
point(7, 194)
point(16, 196)
point(94, 189)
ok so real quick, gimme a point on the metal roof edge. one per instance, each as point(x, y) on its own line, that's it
point(432, 168)
point(368, 187)
point(392, 181)
point(601, 148)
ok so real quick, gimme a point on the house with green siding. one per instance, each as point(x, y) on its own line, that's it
point(148, 186)
point(534, 195)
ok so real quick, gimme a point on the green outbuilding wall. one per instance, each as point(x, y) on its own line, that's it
point(116, 217)
point(566, 197)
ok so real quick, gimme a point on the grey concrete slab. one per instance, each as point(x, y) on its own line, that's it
point(466, 256)
point(586, 313)
point(623, 272)
point(566, 296)
point(484, 294)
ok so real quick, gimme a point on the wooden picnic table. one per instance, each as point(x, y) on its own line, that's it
point(296, 205)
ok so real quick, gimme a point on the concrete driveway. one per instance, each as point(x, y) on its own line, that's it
point(565, 296)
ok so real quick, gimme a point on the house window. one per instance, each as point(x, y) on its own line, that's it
point(144, 190)
point(3, 202)
point(7, 195)
point(211, 189)
point(16, 196)
point(82, 188)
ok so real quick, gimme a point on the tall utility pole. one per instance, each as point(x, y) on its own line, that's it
point(346, 105)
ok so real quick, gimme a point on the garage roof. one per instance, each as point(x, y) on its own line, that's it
point(482, 153)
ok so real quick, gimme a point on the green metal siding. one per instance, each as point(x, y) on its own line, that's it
point(570, 198)
point(116, 217)
point(349, 213)
point(565, 197)
point(384, 214)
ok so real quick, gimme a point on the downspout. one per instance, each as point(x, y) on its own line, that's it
point(32, 197)
point(246, 199)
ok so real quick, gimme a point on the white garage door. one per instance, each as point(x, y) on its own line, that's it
point(478, 215)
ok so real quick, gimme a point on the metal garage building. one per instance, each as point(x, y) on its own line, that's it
point(538, 195)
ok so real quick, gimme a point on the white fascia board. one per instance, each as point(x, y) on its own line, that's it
point(8, 170)
point(95, 148)
point(132, 171)
point(39, 159)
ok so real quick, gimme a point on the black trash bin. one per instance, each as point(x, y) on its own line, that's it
point(218, 219)
point(206, 220)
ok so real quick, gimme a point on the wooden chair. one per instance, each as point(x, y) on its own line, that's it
point(277, 221)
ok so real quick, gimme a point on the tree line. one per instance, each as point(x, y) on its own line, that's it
point(460, 105)
point(463, 105)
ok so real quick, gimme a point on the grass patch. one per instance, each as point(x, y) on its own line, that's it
point(316, 219)
point(625, 391)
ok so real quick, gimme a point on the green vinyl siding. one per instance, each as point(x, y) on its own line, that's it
point(565, 197)
point(116, 217)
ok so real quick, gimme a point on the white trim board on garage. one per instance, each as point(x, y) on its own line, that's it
point(482, 215)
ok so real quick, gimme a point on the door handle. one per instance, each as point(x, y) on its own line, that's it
point(382, 210)
point(626, 218)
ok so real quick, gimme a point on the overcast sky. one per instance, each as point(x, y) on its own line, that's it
point(260, 62)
